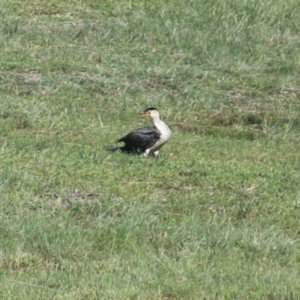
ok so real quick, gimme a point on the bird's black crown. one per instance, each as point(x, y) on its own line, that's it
point(149, 108)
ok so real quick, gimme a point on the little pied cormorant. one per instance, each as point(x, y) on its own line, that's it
point(147, 140)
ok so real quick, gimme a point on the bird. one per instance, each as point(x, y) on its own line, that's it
point(147, 140)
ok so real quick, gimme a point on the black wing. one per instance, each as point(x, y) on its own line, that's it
point(140, 139)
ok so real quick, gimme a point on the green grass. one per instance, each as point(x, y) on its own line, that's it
point(216, 216)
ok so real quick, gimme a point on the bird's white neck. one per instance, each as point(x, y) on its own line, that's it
point(162, 127)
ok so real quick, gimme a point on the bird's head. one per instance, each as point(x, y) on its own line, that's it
point(150, 112)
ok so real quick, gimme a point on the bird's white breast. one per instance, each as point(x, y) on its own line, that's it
point(165, 131)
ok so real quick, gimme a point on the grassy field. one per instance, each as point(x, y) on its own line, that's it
point(216, 216)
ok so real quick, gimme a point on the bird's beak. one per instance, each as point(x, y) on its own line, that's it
point(147, 114)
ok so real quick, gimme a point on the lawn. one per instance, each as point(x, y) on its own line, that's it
point(216, 216)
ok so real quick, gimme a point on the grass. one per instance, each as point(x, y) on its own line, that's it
point(216, 216)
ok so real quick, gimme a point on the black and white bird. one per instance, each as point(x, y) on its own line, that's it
point(147, 140)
